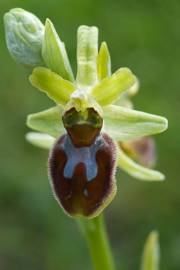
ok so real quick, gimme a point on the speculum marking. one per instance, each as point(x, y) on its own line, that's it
point(84, 155)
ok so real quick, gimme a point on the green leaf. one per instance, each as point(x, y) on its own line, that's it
point(52, 84)
point(103, 62)
point(151, 253)
point(109, 89)
point(41, 140)
point(136, 170)
point(54, 53)
point(87, 51)
point(48, 121)
point(126, 124)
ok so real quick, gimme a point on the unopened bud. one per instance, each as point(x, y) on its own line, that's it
point(24, 35)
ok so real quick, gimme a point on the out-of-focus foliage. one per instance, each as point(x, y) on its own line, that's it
point(34, 232)
point(151, 253)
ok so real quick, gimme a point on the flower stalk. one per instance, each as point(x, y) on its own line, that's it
point(95, 233)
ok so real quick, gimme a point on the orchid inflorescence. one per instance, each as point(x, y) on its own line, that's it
point(93, 128)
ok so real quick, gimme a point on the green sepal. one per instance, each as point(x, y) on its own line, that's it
point(124, 124)
point(54, 53)
point(136, 170)
point(41, 140)
point(48, 121)
point(151, 253)
point(87, 51)
point(110, 88)
point(103, 62)
point(52, 84)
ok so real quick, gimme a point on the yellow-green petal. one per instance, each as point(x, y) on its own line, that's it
point(48, 121)
point(136, 170)
point(124, 101)
point(151, 253)
point(110, 88)
point(126, 124)
point(52, 84)
point(54, 53)
point(103, 62)
point(41, 140)
point(133, 89)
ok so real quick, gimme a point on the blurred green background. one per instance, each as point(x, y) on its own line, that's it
point(34, 232)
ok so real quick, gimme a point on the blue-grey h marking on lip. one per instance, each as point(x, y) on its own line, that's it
point(85, 155)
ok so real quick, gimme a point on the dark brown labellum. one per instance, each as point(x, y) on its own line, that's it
point(83, 177)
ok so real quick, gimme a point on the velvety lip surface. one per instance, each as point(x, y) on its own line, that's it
point(83, 178)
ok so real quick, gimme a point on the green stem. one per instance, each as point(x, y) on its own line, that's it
point(98, 244)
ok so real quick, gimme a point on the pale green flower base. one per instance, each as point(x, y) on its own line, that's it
point(95, 234)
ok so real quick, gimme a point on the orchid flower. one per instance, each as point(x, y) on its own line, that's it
point(92, 118)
